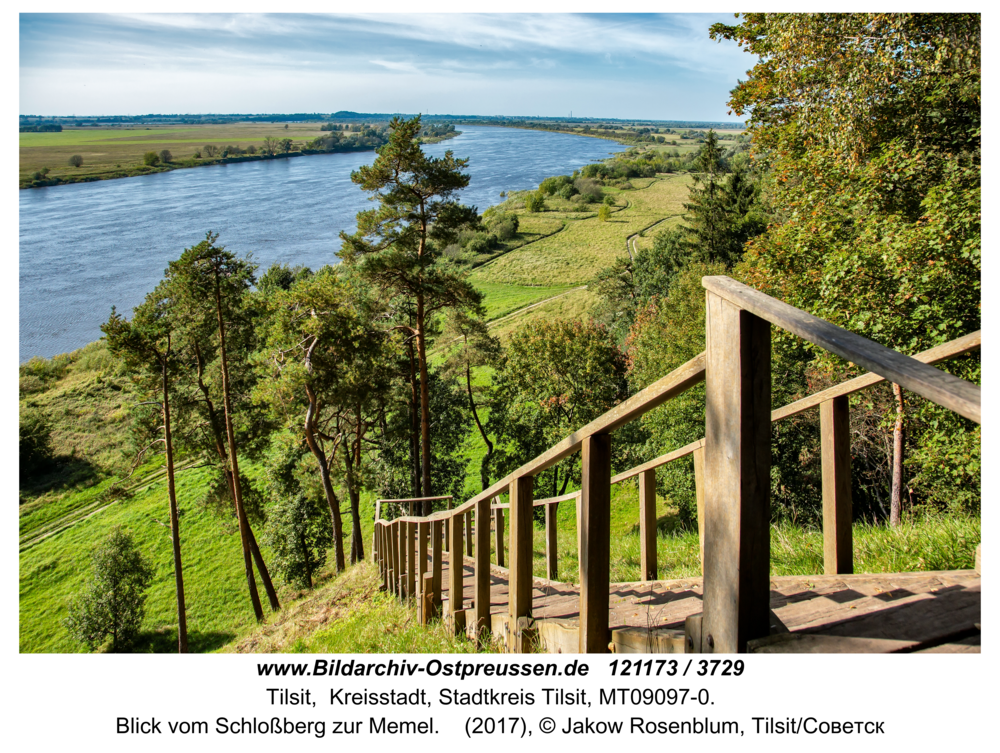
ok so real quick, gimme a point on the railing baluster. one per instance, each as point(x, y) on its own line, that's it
point(835, 441)
point(698, 456)
point(498, 523)
point(436, 563)
point(551, 542)
point(647, 524)
point(737, 477)
point(482, 590)
point(521, 549)
point(411, 559)
point(468, 533)
point(456, 570)
point(595, 552)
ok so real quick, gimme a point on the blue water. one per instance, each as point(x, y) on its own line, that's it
point(89, 246)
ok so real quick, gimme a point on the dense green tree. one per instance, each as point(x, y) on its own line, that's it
point(151, 159)
point(325, 365)
point(34, 443)
point(114, 601)
point(867, 129)
point(210, 286)
point(473, 347)
point(145, 346)
point(554, 377)
point(398, 245)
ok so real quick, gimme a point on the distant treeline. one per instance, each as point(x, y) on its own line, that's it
point(45, 128)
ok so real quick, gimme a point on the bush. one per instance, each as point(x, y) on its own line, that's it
point(76, 160)
point(209, 150)
point(535, 202)
point(166, 156)
point(503, 225)
point(151, 159)
point(34, 441)
point(604, 213)
point(115, 600)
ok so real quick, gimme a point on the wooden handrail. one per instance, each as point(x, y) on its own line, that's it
point(677, 381)
point(937, 386)
point(657, 462)
point(937, 354)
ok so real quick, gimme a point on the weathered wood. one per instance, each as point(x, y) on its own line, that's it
point(436, 563)
point(595, 544)
point(699, 496)
point(835, 442)
point(551, 500)
point(423, 531)
point(456, 570)
point(394, 544)
point(647, 524)
point(693, 633)
point(937, 386)
point(481, 599)
point(979, 558)
point(427, 608)
point(657, 462)
point(796, 643)
point(468, 533)
point(737, 476)
point(498, 533)
point(525, 636)
point(647, 641)
point(551, 542)
point(411, 560)
point(457, 621)
point(940, 353)
point(521, 549)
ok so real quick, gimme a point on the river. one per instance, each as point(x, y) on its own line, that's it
point(86, 247)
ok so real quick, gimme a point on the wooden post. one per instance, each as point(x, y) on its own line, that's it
point(482, 588)
point(411, 560)
point(521, 545)
point(698, 456)
point(835, 441)
point(456, 570)
point(436, 563)
point(551, 542)
point(401, 544)
point(647, 524)
point(394, 544)
point(595, 540)
point(427, 607)
point(468, 533)
point(423, 529)
point(498, 524)
point(737, 477)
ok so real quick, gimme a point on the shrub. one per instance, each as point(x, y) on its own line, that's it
point(151, 159)
point(604, 213)
point(34, 441)
point(503, 225)
point(535, 202)
point(209, 150)
point(114, 603)
point(166, 156)
point(76, 160)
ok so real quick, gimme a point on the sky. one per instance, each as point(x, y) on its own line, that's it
point(661, 67)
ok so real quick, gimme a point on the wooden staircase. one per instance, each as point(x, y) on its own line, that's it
point(738, 606)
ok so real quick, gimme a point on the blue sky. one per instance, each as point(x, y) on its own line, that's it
point(595, 65)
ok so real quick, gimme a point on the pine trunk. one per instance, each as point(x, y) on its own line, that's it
point(175, 531)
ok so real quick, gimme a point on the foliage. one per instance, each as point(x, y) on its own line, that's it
point(555, 377)
point(151, 159)
point(868, 128)
point(114, 603)
point(535, 202)
point(76, 160)
point(604, 213)
point(166, 156)
point(34, 440)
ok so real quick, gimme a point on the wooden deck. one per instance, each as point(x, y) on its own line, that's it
point(899, 612)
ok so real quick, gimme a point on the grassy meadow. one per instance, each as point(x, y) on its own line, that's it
point(107, 152)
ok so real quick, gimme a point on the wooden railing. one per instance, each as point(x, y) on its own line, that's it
point(732, 481)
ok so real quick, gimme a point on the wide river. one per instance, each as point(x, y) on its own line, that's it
point(89, 246)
